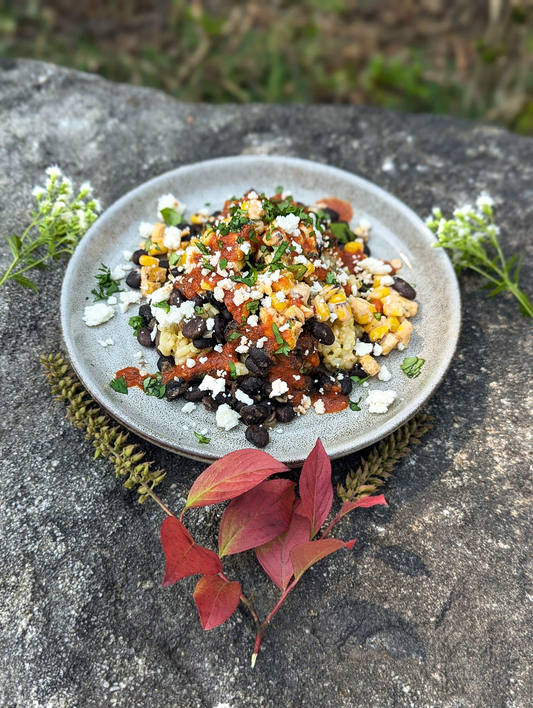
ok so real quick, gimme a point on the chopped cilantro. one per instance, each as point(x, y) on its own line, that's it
point(284, 348)
point(171, 217)
point(199, 310)
point(202, 439)
point(342, 232)
point(136, 322)
point(250, 280)
point(223, 263)
point(358, 380)
point(377, 315)
point(252, 306)
point(279, 189)
point(174, 258)
point(330, 278)
point(163, 305)
point(411, 366)
point(232, 336)
point(106, 285)
point(240, 239)
point(206, 264)
point(278, 253)
point(119, 385)
point(233, 369)
point(152, 386)
point(202, 247)
point(354, 405)
point(299, 270)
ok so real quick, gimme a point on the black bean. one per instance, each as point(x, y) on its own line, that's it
point(226, 314)
point(404, 288)
point(321, 379)
point(210, 403)
point(164, 363)
point(220, 326)
point(176, 298)
point(175, 272)
point(194, 328)
point(137, 255)
point(144, 337)
point(229, 329)
point(365, 338)
point(146, 312)
point(193, 393)
point(251, 385)
point(366, 249)
point(133, 279)
point(253, 368)
point(333, 215)
point(175, 388)
point(261, 358)
point(195, 229)
point(322, 332)
point(216, 213)
point(152, 322)
point(156, 341)
point(346, 385)
point(252, 414)
point(210, 298)
point(358, 371)
point(237, 405)
point(163, 263)
point(285, 413)
point(203, 342)
point(257, 436)
point(223, 398)
point(198, 301)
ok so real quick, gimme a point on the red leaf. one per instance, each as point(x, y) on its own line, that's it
point(275, 555)
point(216, 600)
point(184, 556)
point(316, 490)
point(307, 554)
point(256, 517)
point(365, 502)
point(232, 475)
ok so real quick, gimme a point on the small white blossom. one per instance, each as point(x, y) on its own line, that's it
point(53, 171)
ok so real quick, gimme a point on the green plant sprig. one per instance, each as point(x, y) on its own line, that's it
point(374, 471)
point(470, 237)
point(55, 229)
point(110, 440)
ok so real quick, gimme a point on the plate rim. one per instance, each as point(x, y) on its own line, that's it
point(403, 416)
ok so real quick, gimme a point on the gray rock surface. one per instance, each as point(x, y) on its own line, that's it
point(433, 606)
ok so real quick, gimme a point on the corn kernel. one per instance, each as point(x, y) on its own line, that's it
point(377, 281)
point(343, 313)
point(338, 297)
point(378, 332)
point(278, 306)
point(353, 247)
point(158, 233)
point(148, 261)
point(156, 249)
point(321, 310)
point(198, 219)
point(380, 293)
point(394, 323)
point(205, 285)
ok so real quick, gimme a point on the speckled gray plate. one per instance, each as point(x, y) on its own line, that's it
point(396, 232)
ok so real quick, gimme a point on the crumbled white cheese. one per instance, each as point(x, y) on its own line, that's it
point(242, 349)
point(260, 342)
point(169, 201)
point(315, 288)
point(202, 359)
point(365, 224)
point(218, 293)
point(118, 273)
point(252, 195)
point(129, 298)
point(377, 349)
point(245, 247)
point(386, 280)
point(218, 348)
point(153, 334)
point(401, 346)
point(362, 348)
point(243, 397)
point(226, 417)
point(301, 259)
point(319, 407)
point(384, 374)
point(189, 407)
point(172, 238)
point(160, 294)
point(288, 223)
point(379, 401)
point(127, 255)
point(106, 342)
point(296, 377)
point(138, 355)
point(375, 266)
point(210, 324)
point(112, 300)
point(266, 301)
point(145, 229)
point(281, 297)
point(279, 387)
point(175, 314)
point(304, 405)
point(190, 363)
point(253, 320)
point(209, 383)
point(97, 314)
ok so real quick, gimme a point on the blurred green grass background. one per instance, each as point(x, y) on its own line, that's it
point(471, 59)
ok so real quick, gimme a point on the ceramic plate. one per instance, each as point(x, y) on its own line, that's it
point(396, 233)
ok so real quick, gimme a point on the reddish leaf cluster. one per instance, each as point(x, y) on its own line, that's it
point(263, 514)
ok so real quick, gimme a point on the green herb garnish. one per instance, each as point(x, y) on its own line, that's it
point(233, 370)
point(163, 305)
point(278, 253)
point(252, 306)
point(354, 405)
point(152, 386)
point(342, 232)
point(106, 285)
point(137, 322)
point(358, 380)
point(232, 336)
point(299, 270)
point(223, 263)
point(199, 310)
point(174, 258)
point(377, 315)
point(284, 348)
point(202, 439)
point(279, 189)
point(202, 247)
point(119, 385)
point(331, 279)
point(411, 366)
point(171, 217)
